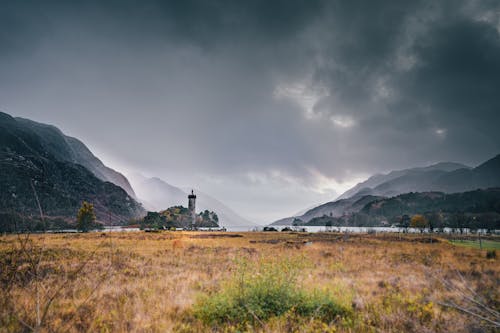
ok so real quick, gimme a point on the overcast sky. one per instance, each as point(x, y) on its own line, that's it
point(270, 106)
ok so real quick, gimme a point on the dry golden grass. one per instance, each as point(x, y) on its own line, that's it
point(148, 282)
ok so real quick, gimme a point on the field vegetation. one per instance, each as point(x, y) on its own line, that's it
point(257, 282)
point(477, 244)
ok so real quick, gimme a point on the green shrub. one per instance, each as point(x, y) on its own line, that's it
point(271, 290)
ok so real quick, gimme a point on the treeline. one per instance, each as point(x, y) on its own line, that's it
point(435, 221)
point(13, 222)
point(478, 209)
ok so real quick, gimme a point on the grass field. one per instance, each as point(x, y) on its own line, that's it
point(234, 282)
point(485, 244)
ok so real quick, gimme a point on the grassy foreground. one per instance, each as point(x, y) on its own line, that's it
point(233, 282)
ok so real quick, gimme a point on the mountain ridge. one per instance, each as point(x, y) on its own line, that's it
point(378, 179)
point(75, 151)
point(446, 177)
point(32, 170)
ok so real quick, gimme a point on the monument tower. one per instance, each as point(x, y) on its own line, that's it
point(192, 208)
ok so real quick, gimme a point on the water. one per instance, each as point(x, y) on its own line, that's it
point(375, 229)
point(117, 229)
point(300, 228)
point(243, 228)
point(126, 229)
point(106, 229)
point(345, 229)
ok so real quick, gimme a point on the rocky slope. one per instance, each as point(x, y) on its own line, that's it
point(37, 163)
point(69, 149)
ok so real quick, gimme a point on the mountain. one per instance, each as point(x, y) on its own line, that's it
point(403, 181)
point(333, 209)
point(485, 175)
point(36, 162)
point(69, 149)
point(227, 216)
point(482, 203)
point(444, 177)
point(470, 209)
point(157, 195)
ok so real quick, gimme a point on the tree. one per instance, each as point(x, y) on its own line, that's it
point(419, 221)
point(435, 221)
point(405, 222)
point(489, 221)
point(86, 217)
point(329, 224)
point(459, 221)
point(154, 220)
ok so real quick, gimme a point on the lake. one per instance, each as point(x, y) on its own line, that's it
point(299, 228)
point(373, 229)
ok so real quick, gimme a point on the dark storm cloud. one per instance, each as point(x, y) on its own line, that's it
point(458, 77)
point(438, 63)
point(257, 98)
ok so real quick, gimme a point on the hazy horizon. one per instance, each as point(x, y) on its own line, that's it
point(270, 107)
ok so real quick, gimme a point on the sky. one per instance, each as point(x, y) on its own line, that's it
point(269, 106)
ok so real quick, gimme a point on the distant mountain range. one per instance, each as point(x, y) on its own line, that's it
point(39, 161)
point(156, 195)
point(442, 177)
point(333, 209)
point(403, 181)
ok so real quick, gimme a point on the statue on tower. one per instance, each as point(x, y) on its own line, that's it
point(192, 209)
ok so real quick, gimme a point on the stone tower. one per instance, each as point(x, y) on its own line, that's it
point(192, 208)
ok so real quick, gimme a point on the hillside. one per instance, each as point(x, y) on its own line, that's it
point(69, 149)
point(485, 175)
point(471, 209)
point(32, 166)
point(477, 201)
point(332, 209)
point(478, 208)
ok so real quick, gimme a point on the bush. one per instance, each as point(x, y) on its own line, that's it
point(491, 254)
point(272, 290)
